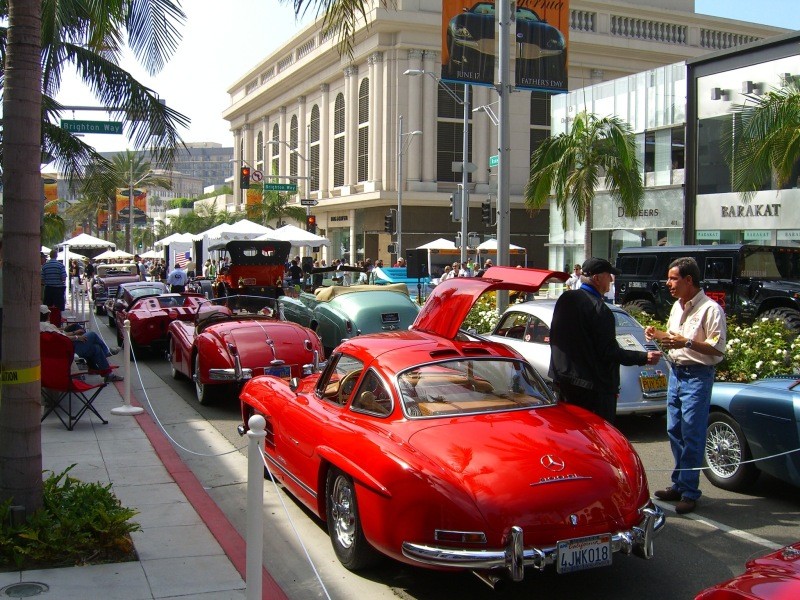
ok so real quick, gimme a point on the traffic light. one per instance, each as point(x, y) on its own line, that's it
point(388, 222)
point(455, 206)
point(486, 212)
point(244, 178)
point(311, 223)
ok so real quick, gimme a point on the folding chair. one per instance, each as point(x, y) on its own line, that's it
point(59, 383)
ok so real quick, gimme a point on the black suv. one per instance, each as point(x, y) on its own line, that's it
point(747, 281)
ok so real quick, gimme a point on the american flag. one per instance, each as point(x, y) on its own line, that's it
point(181, 258)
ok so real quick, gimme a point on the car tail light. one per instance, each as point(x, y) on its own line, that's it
point(460, 537)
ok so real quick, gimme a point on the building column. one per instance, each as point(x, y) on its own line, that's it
point(430, 107)
point(237, 164)
point(413, 158)
point(351, 126)
point(302, 149)
point(325, 140)
point(376, 119)
point(283, 151)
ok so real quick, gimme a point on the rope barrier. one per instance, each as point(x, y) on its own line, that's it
point(735, 464)
point(291, 523)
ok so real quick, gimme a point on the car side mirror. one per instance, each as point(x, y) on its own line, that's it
point(294, 382)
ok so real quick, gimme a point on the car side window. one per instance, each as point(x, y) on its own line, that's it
point(340, 379)
point(537, 332)
point(372, 396)
point(513, 325)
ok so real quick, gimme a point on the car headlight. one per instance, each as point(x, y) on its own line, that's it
point(556, 42)
point(461, 32)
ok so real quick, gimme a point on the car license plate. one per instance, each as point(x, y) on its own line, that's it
point(584, 553)
point(390, 317)
point(653, 383)
point(283, 371)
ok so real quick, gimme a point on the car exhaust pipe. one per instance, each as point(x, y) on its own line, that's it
point(495, 582)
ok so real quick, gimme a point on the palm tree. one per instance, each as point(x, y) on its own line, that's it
point(766, 144)
point(340, 17)
point(571, 164)
point(88, 36)
point(54, 227)
point(274, 209)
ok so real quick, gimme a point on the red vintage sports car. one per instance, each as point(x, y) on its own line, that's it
point(775, 576)
point(219, 349)
point(150, 316)
point(443, 449)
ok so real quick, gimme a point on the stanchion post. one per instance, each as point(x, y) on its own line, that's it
point(126, 408)
point(254, 559)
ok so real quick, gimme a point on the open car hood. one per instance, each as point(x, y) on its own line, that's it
point(451, 300)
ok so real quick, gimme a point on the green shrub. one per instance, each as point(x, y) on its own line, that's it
point(79, 523)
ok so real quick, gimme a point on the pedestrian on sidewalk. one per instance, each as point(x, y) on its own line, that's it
point(54, 280)
point(176, 280)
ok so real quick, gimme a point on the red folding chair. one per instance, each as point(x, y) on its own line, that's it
point(60, 385)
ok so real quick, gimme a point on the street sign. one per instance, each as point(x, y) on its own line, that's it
point(308, 202)
point(256, 176)
point(112, 127)
point(494, 160)
point(280, 187)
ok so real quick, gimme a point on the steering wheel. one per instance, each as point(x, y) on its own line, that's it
point(346, 385)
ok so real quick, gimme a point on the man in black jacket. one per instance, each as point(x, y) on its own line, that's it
point(584, 353)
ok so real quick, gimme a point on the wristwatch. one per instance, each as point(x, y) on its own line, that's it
point(688, 344)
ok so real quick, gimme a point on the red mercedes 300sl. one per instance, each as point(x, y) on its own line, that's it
point(443, 449)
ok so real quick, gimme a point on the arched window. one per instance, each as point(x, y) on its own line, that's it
point(363, 130)
point(275, 163)
point(260, 151)
point(338, 141)
point(293, 143)
point(314, 141)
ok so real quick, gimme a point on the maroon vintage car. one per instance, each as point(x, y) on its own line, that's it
point(443, 449)
point(150, 316)
point(775, 576)
point(220, 350)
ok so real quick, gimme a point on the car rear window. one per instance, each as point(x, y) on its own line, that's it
point(470, 386)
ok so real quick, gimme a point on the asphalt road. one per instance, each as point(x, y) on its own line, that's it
point(693, 552)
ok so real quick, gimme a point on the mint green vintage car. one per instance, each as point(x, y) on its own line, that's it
point(338, 313)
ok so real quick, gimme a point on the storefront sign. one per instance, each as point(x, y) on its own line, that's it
point(789, 235)
point(708, 235)
point(768, 210)
point(753, 235)
point(751, 210)
point(339, 219)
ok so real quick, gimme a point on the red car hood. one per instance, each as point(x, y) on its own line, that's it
point(287, 343)
point(448, 305)
point(540, 469)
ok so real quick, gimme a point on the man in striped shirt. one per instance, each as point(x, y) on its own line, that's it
point(54, 280)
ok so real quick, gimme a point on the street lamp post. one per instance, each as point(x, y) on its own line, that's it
point(400, 151)
point(465, 154)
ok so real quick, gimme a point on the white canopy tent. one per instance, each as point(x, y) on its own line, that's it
point(151, 254)
point(114, 255)
point(175, 237)
point(218, 236)
point(84, 241)
point(438, 244)
point(296, 236)
point(488, 250)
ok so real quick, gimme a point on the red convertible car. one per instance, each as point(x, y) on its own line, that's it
point(775, 576)
point(219, 350)
point(150, 316)
point(443, 449)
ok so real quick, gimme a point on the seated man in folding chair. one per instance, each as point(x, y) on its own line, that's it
point(88, 345)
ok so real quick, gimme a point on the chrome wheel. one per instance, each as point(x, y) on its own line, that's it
point(723, 449)
point(343, 512)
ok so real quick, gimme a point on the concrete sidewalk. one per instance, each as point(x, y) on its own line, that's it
point(186, 548)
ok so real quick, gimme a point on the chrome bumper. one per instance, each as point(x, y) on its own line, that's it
point(515, 557)
point(230, 374)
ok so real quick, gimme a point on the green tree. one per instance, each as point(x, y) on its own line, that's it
point(569, 166)
point(54, 227)
point(274, 209)
point(766, 145)
point(88, 35)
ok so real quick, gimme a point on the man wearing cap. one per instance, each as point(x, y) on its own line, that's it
point(584, 353)
point(177, 279)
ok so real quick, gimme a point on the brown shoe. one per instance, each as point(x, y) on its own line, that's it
point(670, 494)
point(686, 505)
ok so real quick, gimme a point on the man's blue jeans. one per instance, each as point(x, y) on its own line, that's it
point(688, 399)
point(94, 350)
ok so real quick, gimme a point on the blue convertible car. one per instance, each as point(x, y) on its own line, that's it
point(541, 49)
point(750, 421)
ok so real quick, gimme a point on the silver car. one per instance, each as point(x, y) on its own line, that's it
point(526, 328)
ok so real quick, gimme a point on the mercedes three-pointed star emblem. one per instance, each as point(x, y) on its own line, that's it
point(553, 463)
